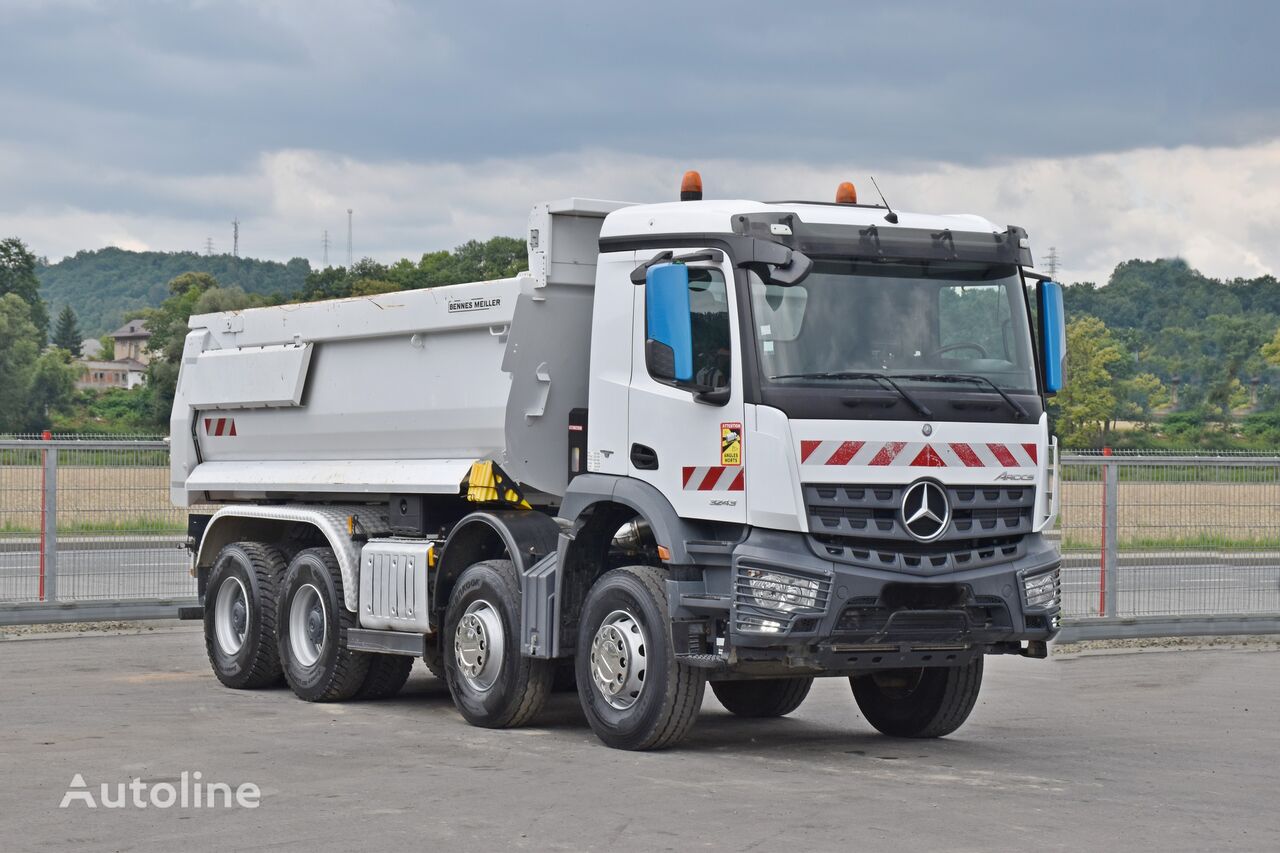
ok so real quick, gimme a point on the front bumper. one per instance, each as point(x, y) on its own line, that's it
point(840, 617)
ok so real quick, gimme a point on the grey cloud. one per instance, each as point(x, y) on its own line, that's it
point(215, 84)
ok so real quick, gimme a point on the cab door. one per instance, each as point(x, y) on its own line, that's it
point(687, 443)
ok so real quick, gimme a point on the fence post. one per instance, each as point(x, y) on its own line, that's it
point(49, 526)
point(1111, 539)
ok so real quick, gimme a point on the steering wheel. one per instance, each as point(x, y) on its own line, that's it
point(982, 353)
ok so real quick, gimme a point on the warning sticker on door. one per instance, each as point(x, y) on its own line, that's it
point(730, 444)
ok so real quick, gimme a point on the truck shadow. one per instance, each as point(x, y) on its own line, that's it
point(717, 730)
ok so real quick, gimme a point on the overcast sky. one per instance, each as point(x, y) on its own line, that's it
point(1109, 130)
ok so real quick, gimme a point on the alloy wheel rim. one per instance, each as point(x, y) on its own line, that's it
point(231, 616)
point(479, 645)
point(619, 659)
point(308, 625)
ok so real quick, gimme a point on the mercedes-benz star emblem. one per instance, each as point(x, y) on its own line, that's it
point(927, 429)
point(925, 510)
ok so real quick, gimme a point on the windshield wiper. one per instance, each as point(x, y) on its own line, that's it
point(874, 377)
point(966, 377)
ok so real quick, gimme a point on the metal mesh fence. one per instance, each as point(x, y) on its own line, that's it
point(1170, 535)
point(1142, 534)
point(89, 521)
point(21, 488)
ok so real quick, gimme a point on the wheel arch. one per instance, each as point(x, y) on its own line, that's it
point(274, 524)
point(596, 505)
point(523, 536)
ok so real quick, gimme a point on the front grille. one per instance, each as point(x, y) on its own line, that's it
point(861, 525)
point(919, 559)
point(873, 512)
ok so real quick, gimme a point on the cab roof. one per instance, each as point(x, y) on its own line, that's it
point(713, 216)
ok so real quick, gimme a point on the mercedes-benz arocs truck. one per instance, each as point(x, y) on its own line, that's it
point(732, 442)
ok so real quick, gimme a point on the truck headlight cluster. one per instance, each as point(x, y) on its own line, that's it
point(1042, 590)
point(778, 591)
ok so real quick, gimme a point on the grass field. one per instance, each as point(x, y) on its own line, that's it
point(91, 499)
point(1236, 515)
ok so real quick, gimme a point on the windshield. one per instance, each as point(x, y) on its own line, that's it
point(920, 322)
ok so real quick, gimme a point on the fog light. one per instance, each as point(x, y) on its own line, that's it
point(1041, 590)
point(776, 591)
point(759, 624)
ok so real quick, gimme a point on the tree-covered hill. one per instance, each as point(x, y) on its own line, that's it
point(1163, 337)
point(106, 285)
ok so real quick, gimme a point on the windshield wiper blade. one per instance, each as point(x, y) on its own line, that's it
point(968, 377)
point(874, 377)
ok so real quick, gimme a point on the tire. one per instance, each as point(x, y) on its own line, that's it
point(492, 684)
point(241, 603)
point(926, 702)
point(565, 679)
point(434, 658)
point(387, 675)
point(313, 621)
point(624, 639)
point(765, 697)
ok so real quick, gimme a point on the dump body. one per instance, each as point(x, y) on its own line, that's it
point(355, 396)
point(365, 397)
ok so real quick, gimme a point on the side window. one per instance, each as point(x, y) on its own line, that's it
point(712, 344)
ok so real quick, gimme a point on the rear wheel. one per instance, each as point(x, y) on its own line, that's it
point(434, 658)
point(765, 697)
point(634, 692)
point(492, 684)
point(387, 675)
point(923, 702)
point(240, 615)
point(313, 623)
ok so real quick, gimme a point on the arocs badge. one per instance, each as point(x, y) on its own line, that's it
point(731, 444)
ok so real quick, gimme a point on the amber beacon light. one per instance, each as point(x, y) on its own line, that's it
point(691, 187)
point(846, 194)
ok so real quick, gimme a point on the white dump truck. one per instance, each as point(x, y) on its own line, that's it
point(733, 442)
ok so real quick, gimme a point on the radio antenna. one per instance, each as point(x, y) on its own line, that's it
point(890, 217)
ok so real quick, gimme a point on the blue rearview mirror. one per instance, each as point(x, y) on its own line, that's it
point(1053, 335)
point(668, 325)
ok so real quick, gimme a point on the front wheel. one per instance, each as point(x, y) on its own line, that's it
point(492, 684)
point(924, 702)
point(636, 695)
point(764, 697)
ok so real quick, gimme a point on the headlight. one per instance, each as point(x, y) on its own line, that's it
point(1041, 590)
point(776, 591)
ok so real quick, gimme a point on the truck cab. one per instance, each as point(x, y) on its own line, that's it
point(744, 443)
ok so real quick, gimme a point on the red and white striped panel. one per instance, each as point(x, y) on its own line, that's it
point(714, 478)
point(219, 426)
point(918, 454)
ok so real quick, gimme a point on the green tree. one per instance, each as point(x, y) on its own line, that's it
point(52, 386)
point(32, 385)
point(108, 347)
point(19, 350)
point(66, 331)
point(1139, 396)
point(18, 276)
point(1086, 406)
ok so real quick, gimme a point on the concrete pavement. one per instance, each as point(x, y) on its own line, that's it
point(1138, 751)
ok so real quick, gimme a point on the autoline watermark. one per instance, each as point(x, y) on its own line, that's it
point(189, 792)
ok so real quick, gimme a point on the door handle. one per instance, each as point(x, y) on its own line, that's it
point(643, 457)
